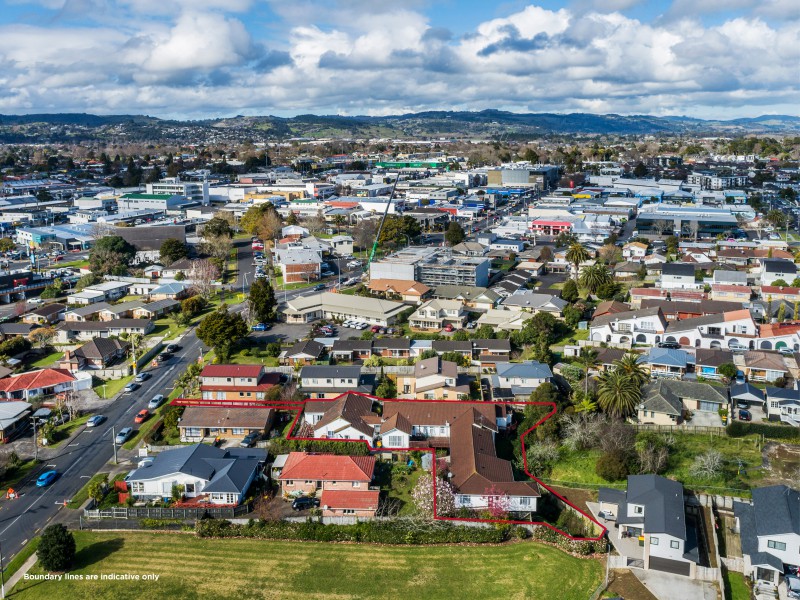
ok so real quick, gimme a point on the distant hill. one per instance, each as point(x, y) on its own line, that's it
point(69, 127)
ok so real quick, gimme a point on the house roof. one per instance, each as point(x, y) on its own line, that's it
point(11, 412)
point(707, 307)
point(160, 304)
point(347, 499)
point(169, 289)
point(396, 421)
point(328, 467)
point(776, 510)
point(622, 316)
point(391, 344)
point(675, 268)
point(437, 366)
point(778, 265)
point(757, 359)
point(746, 391)
point(84, 311)
point(668, 394)
point(33, 380)
point(746, 515)
point(309, 347)
point(609, 307)
point(49, 309)
point(351, 346)
point(441, 413)
point(399, 286)
point(122, 307)
point(355, 409)
point(530, 299)
point(104, 325)
point(464, 292)
point(330, 371)
point(212, 416)
point(16, 328)
point(607, 356)
point(493, 345)
point(775, 289)
point(658, 398)
point(452, 346)
point(99, 348)
point(529, 369)
point(252, 371)
point(713, 357)
point(665, 356)
point(663, 501)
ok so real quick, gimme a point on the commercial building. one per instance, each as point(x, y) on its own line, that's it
point(160, 202)
point(196, 191)
point(663, 219)
point(433, 267)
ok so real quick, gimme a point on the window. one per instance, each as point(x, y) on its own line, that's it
point(189, 488)
point(348, 511)
point(228, 379)
point(356, 484)
point(638, 510)
point(394, 441)
point(137, 487)
point(238, 431)
point(653, 541)
point(674, 544)
point(524, 501)
point(776, 545)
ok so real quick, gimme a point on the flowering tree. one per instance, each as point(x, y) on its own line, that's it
point(498, 503)
point(422, 496)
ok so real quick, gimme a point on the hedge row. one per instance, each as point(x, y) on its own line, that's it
point(283, 446)
point(581, 547)
point(778, 432)
point(376, 532)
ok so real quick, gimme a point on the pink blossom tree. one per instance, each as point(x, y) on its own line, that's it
point(498, 503)
point(422, 496)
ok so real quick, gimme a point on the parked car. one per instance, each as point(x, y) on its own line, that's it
point(792, 586)
point(259, 327)
point(46, 478)
point(607, 515)
point(304, 502)
point(363, 326)
point(141, 377)
point(745, 415)
point(787, 351)
point(131, 387)
point(141, 416)
point(448, 328)
point(155, 402)
point(249, 440)
point(472, 325)
point(670, 345)
point(95, 420)
point(123, 435)
point(375, 328)
point(737, 347)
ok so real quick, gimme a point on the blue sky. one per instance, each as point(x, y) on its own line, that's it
point(210, 58)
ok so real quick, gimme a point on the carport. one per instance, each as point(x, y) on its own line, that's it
point(676, 567)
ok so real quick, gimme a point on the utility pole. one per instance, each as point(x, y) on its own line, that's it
point(114, 443)
point(2, 575)
point(35, 441)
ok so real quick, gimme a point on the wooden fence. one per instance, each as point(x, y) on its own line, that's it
point(221, 512)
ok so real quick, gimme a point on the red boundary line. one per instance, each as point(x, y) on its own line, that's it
point(300, 406)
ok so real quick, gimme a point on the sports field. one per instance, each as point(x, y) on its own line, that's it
point(193, 568)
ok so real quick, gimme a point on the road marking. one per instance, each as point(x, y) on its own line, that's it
point(85, 476)
point(53, 466)
point(75, 444)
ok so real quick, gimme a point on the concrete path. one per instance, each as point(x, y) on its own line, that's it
point(666, 586)
point(14, 579)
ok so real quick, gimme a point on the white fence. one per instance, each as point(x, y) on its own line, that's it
point(598, 344)
point(733, 564)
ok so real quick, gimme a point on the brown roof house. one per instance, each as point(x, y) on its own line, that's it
point(434, 379)
point(200, 423)
point(98, 353)
point(46, 315)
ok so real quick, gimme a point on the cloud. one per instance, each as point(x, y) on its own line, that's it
point(198, 58)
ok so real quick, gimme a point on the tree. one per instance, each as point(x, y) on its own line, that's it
point(660, 226)
point(588, 360)
point(633, 369)
point(364, 234)
point(617, 394)
point(781, 312)
point(193, 306)
point(386, 388)
point(728, 371)
point(780, 283)
point(7, 245)
point(610, 254)
point(316, 224)
point(454, 234)
point(97, 489)
point(111, 256)
point(595, 276)
point(498, 503)
point(53, 290)
point(640, 170)
point(576, 254)
point(56, 549)
point(608, 290)
point(172, 250)
point(221, 330)
point(263, 221)
point(398, 231)
point(41, 336)
point(545, 254)
point(612, 467)
point(422, 497)
point(707, 465)
point(776, 218)
point(262, 300)
point(570, 291)
point(203, 274)
point(172, 416)
point(86, 280)
point(217, 227)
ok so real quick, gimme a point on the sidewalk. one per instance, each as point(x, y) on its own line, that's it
point(14, 579)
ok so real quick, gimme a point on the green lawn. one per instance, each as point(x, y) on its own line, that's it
point(303, 570)
point(82, 494)
point(291, 286)
point(167, 328)
point(578, 468)
point(63, 432)
point(735, 586)
point(20, 558)
point(78, 264)
point(46, 361)
point(112, 386)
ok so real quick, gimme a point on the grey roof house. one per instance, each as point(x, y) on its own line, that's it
point(518, 380)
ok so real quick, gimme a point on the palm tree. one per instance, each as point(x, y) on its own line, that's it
point(587, 359)
point(587, 405)
point(576, 254)
point(618, 395)
point(632, 368)
point(338, 220)
point(595, 276)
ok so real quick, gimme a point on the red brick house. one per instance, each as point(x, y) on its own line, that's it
point(306, 473)
point(241, 383)
point(336, 503)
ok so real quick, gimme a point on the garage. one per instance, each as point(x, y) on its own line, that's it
point(676, 567)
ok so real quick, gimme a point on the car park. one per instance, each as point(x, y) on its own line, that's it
point(46, 478)
point(141, 377)
point(141, 416)
point(131, 387)
point(123, 435)
point(304, 502)
point(95, 420)
point(155, 402)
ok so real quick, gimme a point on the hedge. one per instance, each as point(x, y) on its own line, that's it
point(283, 446)
point(581, 547)
point(778, 432)
point(375, 532)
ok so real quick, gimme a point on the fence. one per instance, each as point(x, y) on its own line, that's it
point(598, 344)
point(733, 564)
point(681, 428)
point(222, 512)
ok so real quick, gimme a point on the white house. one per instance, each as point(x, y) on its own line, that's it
point(634, 251)
point(645, 326)
point(678, 276)
point(773, 269)
point(436, 314)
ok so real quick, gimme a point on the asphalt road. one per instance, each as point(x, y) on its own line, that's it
point(87, 454)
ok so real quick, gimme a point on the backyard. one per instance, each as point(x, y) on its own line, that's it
point(314, 570)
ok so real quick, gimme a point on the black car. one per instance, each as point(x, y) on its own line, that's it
point(164, 357)
point(249, 440)
point(173, 348)
point(304, 502)
point(744, 415)
point(670, 345)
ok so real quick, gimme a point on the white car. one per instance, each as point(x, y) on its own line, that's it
point(363, 325)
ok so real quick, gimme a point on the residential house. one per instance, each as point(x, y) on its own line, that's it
point(407, 291)
point(476, 297)
point(343, 307)
point(651, 509)
point(730, 293)
point(773, 269)
point(437, 314)
point(469, 249)
point(68, 332)
point(634, 251)
point(210, 423)
point(309, 474)
point(665, 362)
point(14, 419)
point(645, 326)
point(331, 381)
point(347, 417)
point(606, 357)
point(769, 529)
point(98, 353)
point(726, 330)
point(341, 245)
point(351, 350)
point(85, 297)
point(392, 347)
point(708, 362)
point(37, 384)
point(241, 384)
point(182, 265)
point(123, 310)
point(157, 309)
point(781, 404)
point(516, 381)
point(490, 352)
point(609, 307)
point(434, 379)
point(764, 366)
point(90, 312)
point(305, 352)
point(9, 330)
point(723, 277)
point(464, 348)
point(665, 402)
point(504, 319)
point(529, 301)
point(174, 290)
point(46, 314)
point(350, 503)
point(209, 475)
point(777, 293)
point(678, 310)
point(746, 395)
point(298, 264)
point(779, 335)
point(111, 290)
point(678, 276)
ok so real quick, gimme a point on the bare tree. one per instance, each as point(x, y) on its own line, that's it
point(707, 465)
point(217, 246)
point(581, 430)
point(315, 224)
point(203, 274)
point(660, 226)
point(365, 233)
point(694, 227)
point(100, 230)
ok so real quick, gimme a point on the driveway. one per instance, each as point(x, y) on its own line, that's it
point(666, 586)
point(703, 418)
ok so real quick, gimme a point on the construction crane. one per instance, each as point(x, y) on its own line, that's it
point(380, 227)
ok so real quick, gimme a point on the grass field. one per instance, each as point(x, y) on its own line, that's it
point(63, 432)
point(47, 360)
point(736, 587)
point(111, 386)
point(192, 568)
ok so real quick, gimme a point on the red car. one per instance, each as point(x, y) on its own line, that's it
point(142, 416)
point(448, 328)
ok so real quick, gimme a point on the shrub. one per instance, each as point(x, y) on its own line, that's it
point(612, 467)
point(155, 435)
point(284, 446)
point(775, 432)
point(273, 349)
point(56, 549)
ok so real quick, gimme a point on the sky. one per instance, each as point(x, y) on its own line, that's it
point(196, 59)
